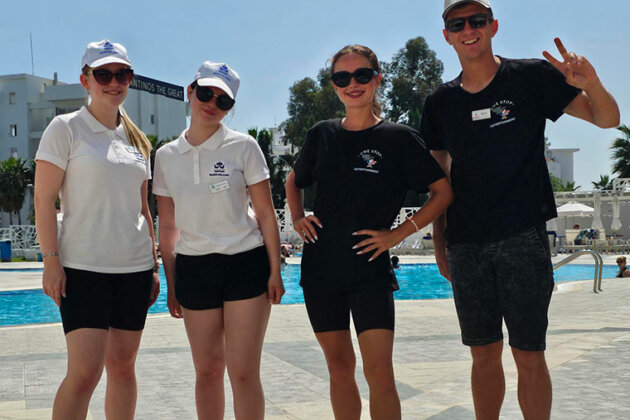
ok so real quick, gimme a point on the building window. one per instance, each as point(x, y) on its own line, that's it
point(11, 98)
point(152, 118)
point(14, 153)
point(13, 130)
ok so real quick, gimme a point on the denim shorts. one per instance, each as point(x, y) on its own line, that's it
point(510, 279)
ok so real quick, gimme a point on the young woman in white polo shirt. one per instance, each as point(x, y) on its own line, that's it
point(221, 257)
point(101, 268)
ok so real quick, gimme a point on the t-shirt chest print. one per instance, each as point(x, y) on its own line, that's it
point(503, 112)
point(368, 161)
point(500, 113)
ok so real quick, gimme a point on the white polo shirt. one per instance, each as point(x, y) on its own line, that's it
point(103, 229)
point(208, 184)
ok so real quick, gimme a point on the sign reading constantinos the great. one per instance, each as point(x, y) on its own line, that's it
point(155, 86)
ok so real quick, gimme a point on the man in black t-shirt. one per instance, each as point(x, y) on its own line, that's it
point(486, 129)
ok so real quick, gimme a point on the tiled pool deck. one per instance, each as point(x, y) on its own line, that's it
point(588, 354)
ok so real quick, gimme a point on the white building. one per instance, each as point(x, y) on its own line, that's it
point(560, 163)
point(28, 103)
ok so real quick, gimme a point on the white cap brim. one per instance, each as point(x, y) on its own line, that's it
point(108, 60)
point(216, 82)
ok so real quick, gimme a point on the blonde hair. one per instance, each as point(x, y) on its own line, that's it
point(621, 259)
point(136, 137)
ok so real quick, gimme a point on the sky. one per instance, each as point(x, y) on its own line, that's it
point(272, 44)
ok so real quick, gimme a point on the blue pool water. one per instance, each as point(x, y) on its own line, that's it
point(417, 281)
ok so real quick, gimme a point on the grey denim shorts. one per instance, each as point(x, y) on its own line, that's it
point(510, 279)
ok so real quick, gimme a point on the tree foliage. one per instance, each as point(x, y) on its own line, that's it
point(310, 101)
point(277, 167)
point(414, 72)
point(621, 153)
point(15, 178)
point(558, 186)
point(155, 145)
point(605, 183)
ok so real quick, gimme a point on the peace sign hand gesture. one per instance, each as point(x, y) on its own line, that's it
point(577, 70)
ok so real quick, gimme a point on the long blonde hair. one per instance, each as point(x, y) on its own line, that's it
point(136, 137)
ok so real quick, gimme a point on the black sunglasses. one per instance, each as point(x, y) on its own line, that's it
point(475, 21)
point(205, 94)
point(363, 76)
point(104, 77)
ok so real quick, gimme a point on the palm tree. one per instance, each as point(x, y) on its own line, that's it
point(15, 177)
point(604, 183)
point(621, 153)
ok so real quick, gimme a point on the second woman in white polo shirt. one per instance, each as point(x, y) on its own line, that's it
point(221, 257)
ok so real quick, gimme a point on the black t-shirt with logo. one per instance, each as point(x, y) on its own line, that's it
point(496, 140)
point(362, 178)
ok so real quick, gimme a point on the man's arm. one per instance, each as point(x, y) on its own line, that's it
point(443, 158)
point(595, 104)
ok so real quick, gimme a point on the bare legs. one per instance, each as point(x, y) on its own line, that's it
point(534, 384)
point(341, 361)
point(376, 350)
point(89, 350)
point(231, 336)
point(488, 382)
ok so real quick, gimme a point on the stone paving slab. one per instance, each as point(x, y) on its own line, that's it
point(588, 353)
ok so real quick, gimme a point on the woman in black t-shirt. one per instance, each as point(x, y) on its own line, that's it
point(363, 167)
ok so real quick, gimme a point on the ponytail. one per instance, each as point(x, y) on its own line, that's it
point(135, 136)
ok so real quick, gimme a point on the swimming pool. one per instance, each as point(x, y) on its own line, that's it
point(417, 281)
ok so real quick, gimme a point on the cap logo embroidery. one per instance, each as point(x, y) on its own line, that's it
point(108, 48)
point(223, 72)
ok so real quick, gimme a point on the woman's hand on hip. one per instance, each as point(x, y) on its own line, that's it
point(379, 241)
point(305, 227)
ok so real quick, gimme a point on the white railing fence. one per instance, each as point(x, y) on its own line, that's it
point(24, 237)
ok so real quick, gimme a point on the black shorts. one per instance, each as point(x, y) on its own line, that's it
point(206, 281)
point(103, 300)
point(372, 308)
point(511, 280)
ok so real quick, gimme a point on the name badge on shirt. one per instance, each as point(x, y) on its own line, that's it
point(219, 186)
point(481, 114)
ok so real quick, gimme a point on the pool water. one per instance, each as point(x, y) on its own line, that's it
point(417, 281)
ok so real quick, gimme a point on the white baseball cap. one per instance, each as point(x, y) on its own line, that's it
point(104, 52)
point(449, 4)
point(219, 75)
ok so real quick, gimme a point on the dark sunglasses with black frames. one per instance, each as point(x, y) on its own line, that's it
point(363, 75)
point(104, 77)
point(205, 94)
point(475, 21)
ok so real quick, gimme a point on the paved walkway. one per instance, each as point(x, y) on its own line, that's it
point(588, 353)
